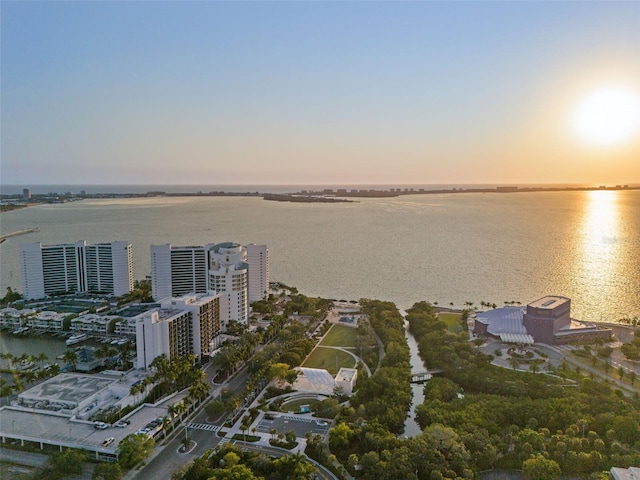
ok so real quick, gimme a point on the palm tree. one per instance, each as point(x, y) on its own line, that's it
point(228, 358)
point(246, 420)
point(10, 359)
point(180, 409)
point(173, 411)
point(166, 424)
point(29, 376)
point(6, 388)
point(70, 357)
point(514, 363)
point(53, 370)
point(199, 391)
point(40, 358)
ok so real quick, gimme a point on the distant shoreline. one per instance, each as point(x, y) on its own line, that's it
point(304, 196)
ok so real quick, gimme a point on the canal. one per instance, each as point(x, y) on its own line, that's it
point(411, 428)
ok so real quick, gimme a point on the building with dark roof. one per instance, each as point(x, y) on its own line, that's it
point(546, 316)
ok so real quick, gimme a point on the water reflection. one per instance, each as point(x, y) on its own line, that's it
point(600, 243)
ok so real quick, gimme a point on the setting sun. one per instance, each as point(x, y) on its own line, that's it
point(607, 116)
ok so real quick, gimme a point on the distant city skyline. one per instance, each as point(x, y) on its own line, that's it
point(320, 93)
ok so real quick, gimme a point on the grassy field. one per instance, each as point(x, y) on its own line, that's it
point(452, 320)
point(330, 359)
point(341, 336)
point(294, 405)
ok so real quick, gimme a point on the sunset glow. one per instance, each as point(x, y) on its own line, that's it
point(608, 116)
point(324, 93)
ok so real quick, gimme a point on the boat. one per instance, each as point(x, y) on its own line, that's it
point(26, 365)
point(20, 330)
point(77, 338)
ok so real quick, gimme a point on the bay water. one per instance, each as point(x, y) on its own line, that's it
point(450, 248)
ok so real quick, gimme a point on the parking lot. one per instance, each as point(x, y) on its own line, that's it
point(299, 424)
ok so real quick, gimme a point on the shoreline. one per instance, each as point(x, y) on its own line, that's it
point(328, 193)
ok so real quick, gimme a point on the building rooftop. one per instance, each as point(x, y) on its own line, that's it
point(67, 389)
point(550, 301)
point(503, 320)
point(577, 326)
point(346, 374)
point(314, 380)
point(632, 473)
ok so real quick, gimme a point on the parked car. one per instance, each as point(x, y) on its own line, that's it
point(107, 442)
point(100, 425)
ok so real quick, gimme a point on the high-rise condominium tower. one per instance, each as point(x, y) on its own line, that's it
point(239, 274)
point(76, 268)
point(258, 260)
point(229, 277)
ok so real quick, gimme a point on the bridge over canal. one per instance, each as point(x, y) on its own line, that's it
point(421, 377)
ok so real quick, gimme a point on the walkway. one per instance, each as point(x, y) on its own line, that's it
point(345, 350)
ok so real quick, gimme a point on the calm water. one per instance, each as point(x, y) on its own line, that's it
point(445, 248)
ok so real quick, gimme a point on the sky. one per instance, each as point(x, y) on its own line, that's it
point(313, 92)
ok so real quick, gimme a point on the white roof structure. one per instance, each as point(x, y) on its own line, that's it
point(503, 320)
point(632, 473)
point(314, 380)
point(520, 338)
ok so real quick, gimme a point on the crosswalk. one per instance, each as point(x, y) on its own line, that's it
point(297, 419)
point(564, 348)
point(204, 426)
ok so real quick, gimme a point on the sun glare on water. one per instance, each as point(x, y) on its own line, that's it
point(607, 116)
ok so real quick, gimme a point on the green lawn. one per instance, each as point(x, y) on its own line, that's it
point(452, 320)
point(341, 336)
point(294, 405)
point(330, 359)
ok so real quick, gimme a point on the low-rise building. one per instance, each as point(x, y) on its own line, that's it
point(93, 323)
point(11, 318)
point(346, 380)
point(125, 326)
point(46, 320)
